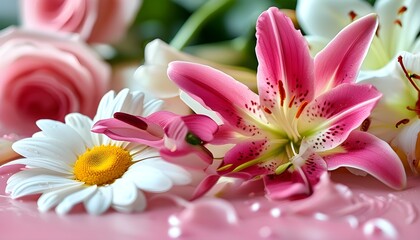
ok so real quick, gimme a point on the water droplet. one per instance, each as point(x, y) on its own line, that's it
point(265, 232)
point(380, 227)
point(173, 220)
point(320, 216)
point(275, 212)
point(255, 206)
point(174, 232)
point(353, 222)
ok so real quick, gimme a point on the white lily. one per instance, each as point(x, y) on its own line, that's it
point(399, 25)
point(396, 117)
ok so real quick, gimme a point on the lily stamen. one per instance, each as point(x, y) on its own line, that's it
point(408, 75)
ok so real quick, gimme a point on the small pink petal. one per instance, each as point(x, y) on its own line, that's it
point(201, 126)
point(341, 59)
point(205, 186)
point(123, 131)
point(368, 153)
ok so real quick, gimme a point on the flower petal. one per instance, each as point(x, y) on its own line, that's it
point(177, 174)
point(100, 201)
point(329, 119)
point(46, 148)
point(237, 159)
point(395, 37)
point(124, 192)
point(148, 178)
point(139, 204)
point(60, 131)
point(30, 182)
point(82, 125)
point(201, 126)
point(77, 197)
point(325, 18)
point(368, 153)
point(51, 198)
point(284, 185)
point(235, 102)
point(340, 61)
point(406, 140)
point(285, 70)
point(130, 128)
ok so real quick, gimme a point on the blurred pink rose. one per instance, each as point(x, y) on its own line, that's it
point(97, 21)
point(47, 76)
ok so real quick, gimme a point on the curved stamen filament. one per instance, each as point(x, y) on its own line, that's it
point(408, 75)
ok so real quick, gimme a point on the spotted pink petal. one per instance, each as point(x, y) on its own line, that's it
point(339, 62)
point(132, 129)
point(328, 120)
point(313, 169)
point(285, 70)
point(368, 153)
point(232, 100)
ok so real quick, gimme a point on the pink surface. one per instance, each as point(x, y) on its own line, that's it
point(365, 210)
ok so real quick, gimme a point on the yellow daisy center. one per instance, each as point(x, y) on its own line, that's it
point(102, 165)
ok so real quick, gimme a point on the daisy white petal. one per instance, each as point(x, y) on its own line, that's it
point(59, 130)
point(138, 205)
point(151, 180)
point(81, 124)
point(100, 201)
point(124, 192)
point(51, 198)
point(77, 197)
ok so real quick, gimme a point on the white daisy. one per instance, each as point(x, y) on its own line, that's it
point(68, 164)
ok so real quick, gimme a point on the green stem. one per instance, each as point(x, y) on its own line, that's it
point(196, 21)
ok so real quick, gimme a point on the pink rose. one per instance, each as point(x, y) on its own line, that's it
point(97, 21)
point(47, 76)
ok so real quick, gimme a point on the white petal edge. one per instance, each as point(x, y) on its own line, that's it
point(71, 200)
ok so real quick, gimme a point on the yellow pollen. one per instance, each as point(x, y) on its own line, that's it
point(102, 165)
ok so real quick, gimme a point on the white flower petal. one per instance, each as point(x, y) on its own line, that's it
point(106, 101)
point(177, 174)
point(46, 148)
point(148, 178)
point(326, 18)
point(152, 106)
point(45, 163)
point(138, 205)
point(23, 184)
point(71, 200)
point(82, 125)
point(155, 79)
point(62, 132)
point(100, 201)
point(124, 192)
point(406, 140)
point(51, 198)
point(135, 104)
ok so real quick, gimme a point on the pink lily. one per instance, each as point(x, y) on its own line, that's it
point(180, 139)
point(301, 123)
